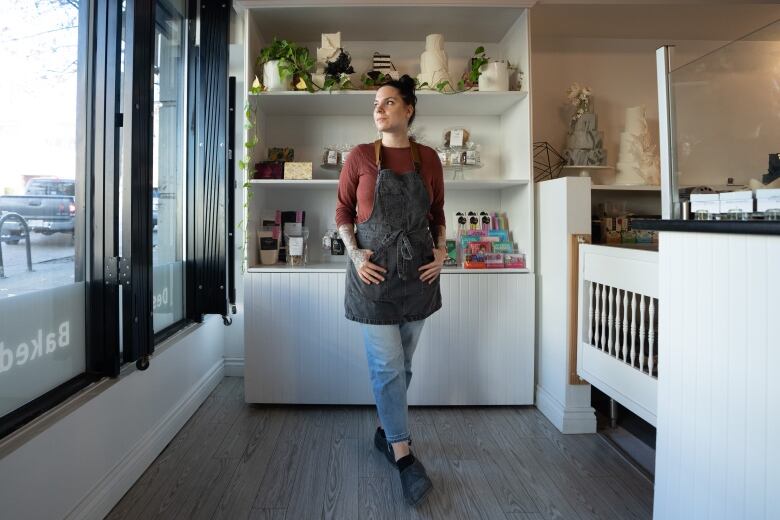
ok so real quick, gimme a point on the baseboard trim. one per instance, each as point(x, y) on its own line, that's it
point(110, 490)
point(567, 420)
point(234, 367)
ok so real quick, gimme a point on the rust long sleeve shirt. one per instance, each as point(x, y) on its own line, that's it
point(359, 174)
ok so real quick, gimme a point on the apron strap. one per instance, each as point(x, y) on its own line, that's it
point(378, 152)
point(412, 144)
point(415, 155)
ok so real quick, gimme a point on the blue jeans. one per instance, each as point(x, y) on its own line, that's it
point(389, 350)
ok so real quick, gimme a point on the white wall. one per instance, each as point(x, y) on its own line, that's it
point(82, 464)
point(621, 73)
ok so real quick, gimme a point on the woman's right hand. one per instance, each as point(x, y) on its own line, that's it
point(368, 271)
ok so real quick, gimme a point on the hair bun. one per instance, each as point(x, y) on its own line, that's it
point(408, 82)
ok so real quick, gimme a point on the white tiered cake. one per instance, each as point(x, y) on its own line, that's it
point(434, 66)
point(638, 162)
point(585, 143)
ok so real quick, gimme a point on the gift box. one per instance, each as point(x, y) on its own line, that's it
point(281, 154)
point(269, 170)
point(297, 170)
point(476, 261)
point(767, 199)
point(741, 200)
point(514, 260)
point(494, 260)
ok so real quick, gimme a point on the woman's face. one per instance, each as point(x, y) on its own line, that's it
point(391, 113)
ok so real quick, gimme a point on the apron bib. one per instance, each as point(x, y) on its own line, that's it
point(398, 232)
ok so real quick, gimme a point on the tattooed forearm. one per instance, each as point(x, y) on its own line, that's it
point(357, 255)
point(439, 234)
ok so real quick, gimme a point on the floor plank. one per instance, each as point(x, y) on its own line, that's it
point(509, 490)
point(232, 460)
point(239, 495)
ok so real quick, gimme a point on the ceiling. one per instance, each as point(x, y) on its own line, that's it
point(380, 23)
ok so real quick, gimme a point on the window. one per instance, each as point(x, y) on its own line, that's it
point(169, 156)
point(100, 179)
point(43, 225)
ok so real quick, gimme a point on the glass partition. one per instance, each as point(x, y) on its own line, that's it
point(724, 117)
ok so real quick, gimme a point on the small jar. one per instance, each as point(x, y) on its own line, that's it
point(297, 248)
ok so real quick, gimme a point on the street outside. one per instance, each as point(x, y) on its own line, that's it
point(53, 264)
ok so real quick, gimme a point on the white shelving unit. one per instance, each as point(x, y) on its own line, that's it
point(498, 303)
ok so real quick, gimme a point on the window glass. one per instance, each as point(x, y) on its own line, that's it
point(42, 290)
point(169, 149)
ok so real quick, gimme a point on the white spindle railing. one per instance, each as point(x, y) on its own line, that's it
point(619, 300)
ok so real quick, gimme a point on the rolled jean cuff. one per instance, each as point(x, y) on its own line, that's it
point(397, 438)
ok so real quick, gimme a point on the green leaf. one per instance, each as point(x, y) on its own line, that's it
point(479, 50)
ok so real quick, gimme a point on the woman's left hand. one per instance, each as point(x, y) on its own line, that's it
point(429, 272)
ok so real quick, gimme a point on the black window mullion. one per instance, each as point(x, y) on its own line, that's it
point(137, 183)
point(98, 117)
point(208, 227)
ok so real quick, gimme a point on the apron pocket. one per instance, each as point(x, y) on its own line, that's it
point(369, 291)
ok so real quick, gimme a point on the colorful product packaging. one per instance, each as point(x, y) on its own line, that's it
point(476, 261)
point(514, 260)
point(480, 247)
point(494, 260)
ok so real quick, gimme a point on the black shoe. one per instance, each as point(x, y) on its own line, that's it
point(380, 441)
point(415, 482)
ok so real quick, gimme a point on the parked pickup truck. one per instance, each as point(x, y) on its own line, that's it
point(48, 205)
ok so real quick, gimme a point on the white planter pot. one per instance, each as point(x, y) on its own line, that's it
point(494, 77)
point(272, 79)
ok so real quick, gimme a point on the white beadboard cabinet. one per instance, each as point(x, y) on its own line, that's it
point(476, 350)
point(717, 451)
point(479, 349)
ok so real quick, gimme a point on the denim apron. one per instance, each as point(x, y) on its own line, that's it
point(398, 232)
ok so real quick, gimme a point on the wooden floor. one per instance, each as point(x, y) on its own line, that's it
point(239, 461)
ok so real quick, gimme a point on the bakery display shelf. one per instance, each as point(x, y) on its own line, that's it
point(360, 103)
point(339, 267)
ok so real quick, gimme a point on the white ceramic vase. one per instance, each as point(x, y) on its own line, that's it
point(272, 79)
point(494, 77)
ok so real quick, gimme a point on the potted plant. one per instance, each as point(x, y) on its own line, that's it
point(283, 61)
point(490, 75)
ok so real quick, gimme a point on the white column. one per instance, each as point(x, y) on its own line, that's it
point(567, 406)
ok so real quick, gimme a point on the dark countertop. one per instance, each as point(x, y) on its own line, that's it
point(742, 227)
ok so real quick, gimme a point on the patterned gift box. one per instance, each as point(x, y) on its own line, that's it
point(297, 170)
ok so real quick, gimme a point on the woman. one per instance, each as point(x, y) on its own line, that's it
point(393, 189)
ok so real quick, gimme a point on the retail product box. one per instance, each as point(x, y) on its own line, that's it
point(741, 200)
point(297, 170)
point(767, 199)
point(514, 260)
point(705, 201)
point(476, 261)
point(494, 260)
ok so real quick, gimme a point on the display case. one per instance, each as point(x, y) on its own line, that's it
point(294, 315)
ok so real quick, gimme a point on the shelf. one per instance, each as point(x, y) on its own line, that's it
point(449, 184)
point(337, 267)
point(297, 183)
point(479, 184)
point(360, 103)
point(625, 187)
